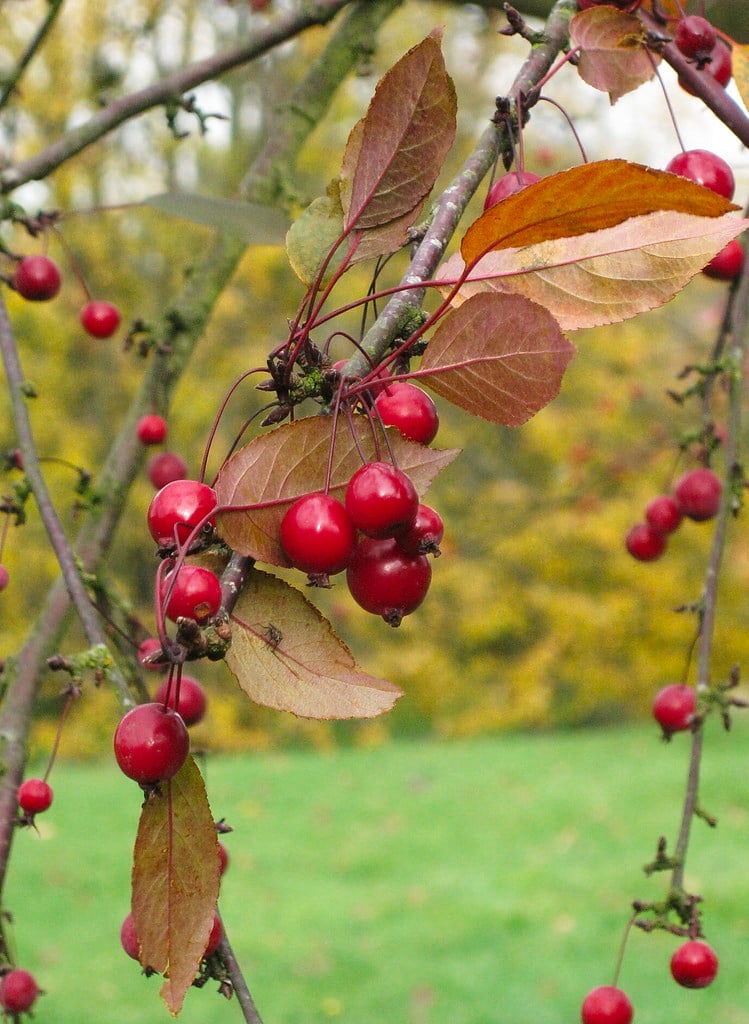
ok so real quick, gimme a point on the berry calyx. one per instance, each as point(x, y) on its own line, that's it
point(706, 169)
point(645, 543)
point(425, 533)
point(18, 991)
point(151, 429)
point(386, 581)
point(37, 278)
point(607, 1005)
point(129, 939)
point(719, 67)
point(166, 467)
point(727, 264)
point(663, 513)
point(695, 37)
point(34, 796)
point(697, 494)
point(177, 509)
point(410, 409)
point(509, 184)
point(151, 743)
point(100, 319)
point(674, 707)
point(4, 577)
point(381, 500)
point(317, 535)
point(192, 703)
point(694, 964)
point(192, 593)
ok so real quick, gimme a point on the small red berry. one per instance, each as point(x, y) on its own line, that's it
point(216, 934)
point(129, 939)
point(18, 991)
point(4, 577)
point(165, 467)
point(34, 796)
point(674, 707)
point(727, 264)
point(179, 507)
point(695, 37)
point(424, 535)
point(194, 593)
point(694, 964)
point(385, 580)
point(410, 409)
point(607, 1005)
point(719, 67)
point(223, 858)
point(151, 429)
point(706, 169)
point(381, 500)
point(151, 743)
point(147, 648)
point(645, 543)
point(192, 703)
point(37, 278)
point(100, 319)
point(317, 535)
point(508, 185)
point(663, 513)
point(697, 494)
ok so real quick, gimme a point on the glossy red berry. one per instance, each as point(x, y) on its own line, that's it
point(697, 494)
point(100, 319)
point(728, 263)
point(193, 593)
point(694, 964)
point(216, 934)
point(178, 508)
point(152, 429)
point(223, 858)
point(663, 513)
point(381, 500)
point(151, 743)
point(18, 991)
point(645, 543)
point(147, 648)
point(385, 580)
point(129, 939)
point(607, 1005)
point(165, 467)
point(695, 37)
point(719, 67)
point(410, 409)
point(507, 185)
point(674, 707)
point(706, 169)
point(37, 278)
point(34, 796)
point(192, 702)
point(424, 535)
point(317, 535)
point(4, 577)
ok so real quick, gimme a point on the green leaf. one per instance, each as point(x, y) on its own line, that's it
point(314, 234)
point(253, 222)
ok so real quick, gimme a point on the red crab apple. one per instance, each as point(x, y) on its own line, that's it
point(34, 796)
point(706, 169)
point(697, 494)
point(410, 409)
point(507, 185)
point(193, 593)
point(719, 67)
point(100, 319)
point(179, 507)
point(606, 1005)
point(385, 580)
point(37, 278)
point(18, 991)
point(727, 264)
point(645, 543)
point(663, 513)
point(317, 535)
point(151, 429)
point(674, 707)
point(192, 703)
point(151, 743)
point(165, 467)
point(695, 37)
point(381, 500)
point(694, 964)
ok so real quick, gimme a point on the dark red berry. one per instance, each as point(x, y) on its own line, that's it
point(728, 263)
point(694, 964)
point(317, 535)
point(152, 429)
point(193, 593)
point(166, 467)
point(674, 707)
point(424, 535)
point(129, 939)
point(607, 1005)
point(147, 648)
point(695, 37)
point(385, 580)
point(37, 278)
point(706, 169)
point(410, 409)
point(697, 494)
point(100, 319)
point(216, 934)
point(192, 702)
point(663, 513)
point(223, 858)
point(18, 991)
point(719, 67)
point(34, 796)
point(381, 500)
point(645, 543)
point(507, 185)
point(4, 577)
point(151, 743)
point(178, 508)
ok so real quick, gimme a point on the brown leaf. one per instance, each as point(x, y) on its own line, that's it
point(175, 881)
point(606, 276)
point(501, 357)
point(285, 655)
point(291, 461)
point(740, 65)
point(587, 198)
point(614, 58)
point(395, 153)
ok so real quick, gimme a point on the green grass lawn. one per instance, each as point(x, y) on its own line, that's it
point(472, 883)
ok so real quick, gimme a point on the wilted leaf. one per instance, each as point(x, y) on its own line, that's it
point(501, 357)
point(291, 461)
point(285, 655)
point(175, 881)
point(614, 58)
point(740, 65)
point(587, 198)
point(606, 276)
point(253, 222)
point(395, 153)
point(313, 234)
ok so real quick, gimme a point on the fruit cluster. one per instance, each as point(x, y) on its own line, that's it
point(696, 496)
point(37, 278)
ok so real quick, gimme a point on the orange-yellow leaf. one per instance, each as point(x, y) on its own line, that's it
point(587, 198)
point(285, 655)
point(175, 881)
point(613, 57)
point(740, 65)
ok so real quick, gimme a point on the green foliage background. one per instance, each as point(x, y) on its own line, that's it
point(536, 617)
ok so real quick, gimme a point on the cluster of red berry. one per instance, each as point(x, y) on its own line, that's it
point(38, 279)
point(696, 496)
